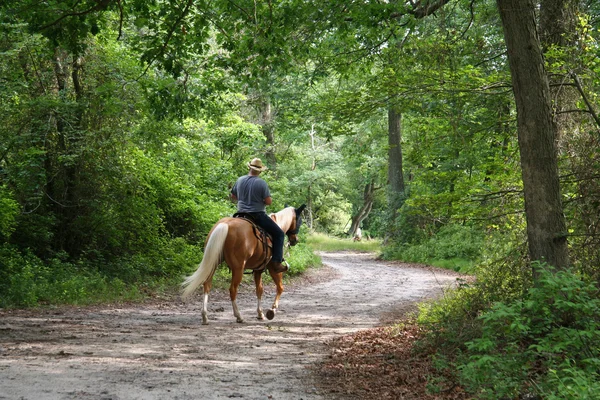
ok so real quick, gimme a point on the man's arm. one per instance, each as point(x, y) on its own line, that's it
point(268, 201)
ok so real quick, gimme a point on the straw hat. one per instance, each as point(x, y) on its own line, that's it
point(257, 165)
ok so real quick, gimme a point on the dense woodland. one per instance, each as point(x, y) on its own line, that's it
point(455, 131)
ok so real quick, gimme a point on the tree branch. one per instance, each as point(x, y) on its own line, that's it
point(425, 8)
point(170, 34)
point(585, 98)
point(102, 5)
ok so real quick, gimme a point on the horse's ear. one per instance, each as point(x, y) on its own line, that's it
point(300, 209)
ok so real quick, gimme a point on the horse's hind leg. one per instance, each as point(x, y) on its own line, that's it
point(259, 293)
point(207, 286)
point(236, 279)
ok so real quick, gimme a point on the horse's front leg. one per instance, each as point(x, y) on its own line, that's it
point(259, 293)
point(278, 280)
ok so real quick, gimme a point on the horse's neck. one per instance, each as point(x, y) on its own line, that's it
point(283, 219)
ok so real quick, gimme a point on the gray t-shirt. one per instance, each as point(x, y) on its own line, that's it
point(251, 191)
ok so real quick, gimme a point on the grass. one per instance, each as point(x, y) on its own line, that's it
point(456, 264)
point(321, 242)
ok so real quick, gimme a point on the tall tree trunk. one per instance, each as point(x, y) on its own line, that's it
point(268, 129)
point(58, 187)
point(558, 23)
point(313, 166)
point(395, 173)
point(558, 29)
point(546, 226)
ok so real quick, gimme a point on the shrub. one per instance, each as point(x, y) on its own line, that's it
point(544, 343)
point(458, 243)
point(9, 209)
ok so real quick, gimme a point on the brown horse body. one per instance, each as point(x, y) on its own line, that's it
point(233, 240)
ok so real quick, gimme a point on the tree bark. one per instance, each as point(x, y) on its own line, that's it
point(546, 226)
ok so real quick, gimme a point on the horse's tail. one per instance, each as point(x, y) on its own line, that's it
point(213, 255)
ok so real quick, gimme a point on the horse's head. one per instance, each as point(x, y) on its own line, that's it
point(292, 232)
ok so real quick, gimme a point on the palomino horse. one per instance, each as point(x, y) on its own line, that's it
point(234, 240)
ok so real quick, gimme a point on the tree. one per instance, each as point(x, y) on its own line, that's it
point(546, 225)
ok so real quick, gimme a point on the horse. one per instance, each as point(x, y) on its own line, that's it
point(233, 240)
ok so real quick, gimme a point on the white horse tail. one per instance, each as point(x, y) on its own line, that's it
point(213, 255)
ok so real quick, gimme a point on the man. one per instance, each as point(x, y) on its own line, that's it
point(252, 196)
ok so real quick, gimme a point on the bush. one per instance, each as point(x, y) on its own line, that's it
point(544, 343)
point(460, 244)
point(9, 209)
point(301, 257)
point(26, 280)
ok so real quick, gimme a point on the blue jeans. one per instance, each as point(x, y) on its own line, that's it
point(275, 231)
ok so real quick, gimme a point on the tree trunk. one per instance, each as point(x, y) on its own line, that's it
point(558, 23)
point(359, 217)
point(546, 226)
point(268, 130)
point(395, 175)
point(558, 29)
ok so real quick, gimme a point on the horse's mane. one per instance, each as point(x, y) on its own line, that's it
point(284, 218)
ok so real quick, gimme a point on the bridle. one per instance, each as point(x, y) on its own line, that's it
point(298, 212)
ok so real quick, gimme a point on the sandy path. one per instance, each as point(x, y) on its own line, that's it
point(161, 351)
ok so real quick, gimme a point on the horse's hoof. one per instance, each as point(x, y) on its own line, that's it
point(240, 320)
point(270, 314)
point(260, 317)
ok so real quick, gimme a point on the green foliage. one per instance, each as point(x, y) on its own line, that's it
point(301, 257)
point(28, 281)
point(450, 321)
point(457, 246)
point(322, 242)
point(549, 337)
point(8, 213)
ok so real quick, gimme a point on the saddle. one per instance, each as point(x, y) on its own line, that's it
point(262, 237)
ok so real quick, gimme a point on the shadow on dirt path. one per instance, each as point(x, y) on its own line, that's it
point(161, 350)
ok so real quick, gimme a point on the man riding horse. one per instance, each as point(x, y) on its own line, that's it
point(252, 195)
point(234, 241)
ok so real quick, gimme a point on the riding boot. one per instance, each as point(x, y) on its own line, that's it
point(279, 267)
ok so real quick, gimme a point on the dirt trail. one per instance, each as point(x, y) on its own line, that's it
point(161, 351)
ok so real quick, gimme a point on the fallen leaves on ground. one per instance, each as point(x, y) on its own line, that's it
point(380, 363)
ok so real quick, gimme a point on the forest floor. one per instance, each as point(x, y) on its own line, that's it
point(326, 342)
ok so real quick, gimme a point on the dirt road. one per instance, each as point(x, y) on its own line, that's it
point(160, 350)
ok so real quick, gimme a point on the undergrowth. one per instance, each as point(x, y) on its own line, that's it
point(28, 281)
point(543, 342)
point(454, 247)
